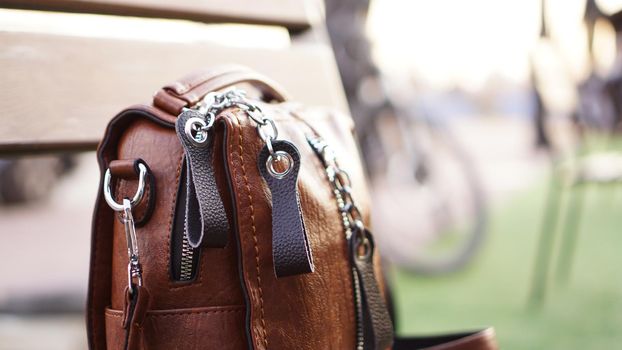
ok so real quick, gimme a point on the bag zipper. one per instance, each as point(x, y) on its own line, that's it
point(184, 258)
point(183, 268)
point(339, 181)
point(187, 260)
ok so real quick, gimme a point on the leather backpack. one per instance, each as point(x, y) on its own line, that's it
point(230, 218)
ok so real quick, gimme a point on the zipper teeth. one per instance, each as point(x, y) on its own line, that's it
point(360, 341)
point(187, 253)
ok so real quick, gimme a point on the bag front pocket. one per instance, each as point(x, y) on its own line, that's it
point(220, 327)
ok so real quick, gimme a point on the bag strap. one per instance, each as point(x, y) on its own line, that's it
point(188, 91)
point(478, 340)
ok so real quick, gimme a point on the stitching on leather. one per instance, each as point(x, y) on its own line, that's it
point(180, 313)
point(113, 314)
point(252, 208)
point(172, 314)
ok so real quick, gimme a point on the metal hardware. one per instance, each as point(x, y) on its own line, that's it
point(134, 270)
point(214, 102)
point(268, 137)
point(138, 196)
point(187, 255)
point(351, 217)
point(133, 266)
point(196, 129)
point(279, 156)
point(342, 186)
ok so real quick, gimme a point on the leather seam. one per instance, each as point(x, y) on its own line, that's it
point(94, 318)
point(114, 314)
point(172, 314)
point(254, 230)
point(155, 313)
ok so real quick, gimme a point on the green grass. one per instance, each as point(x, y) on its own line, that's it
point(584, 313)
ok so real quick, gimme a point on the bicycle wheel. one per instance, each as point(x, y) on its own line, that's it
point(428, 208)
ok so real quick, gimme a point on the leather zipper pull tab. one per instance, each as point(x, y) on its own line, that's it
point(206, 219)
point(376, 322)
point(137, 303)
point(291, 251)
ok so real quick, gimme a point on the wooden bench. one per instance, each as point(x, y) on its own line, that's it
point(64, 75)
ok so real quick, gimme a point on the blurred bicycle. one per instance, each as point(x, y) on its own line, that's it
point(429, 208)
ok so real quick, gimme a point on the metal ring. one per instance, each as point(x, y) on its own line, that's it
point(195, 130)
point(363, 244)
point(138, 196)
point(255, 113)
point(270, 164)
point(342, 179)
point(355, 217)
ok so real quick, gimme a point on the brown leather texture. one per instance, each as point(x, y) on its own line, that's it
point(284, 313)
point(311, 311)
point(139, 133)
point(235, 301)
point(191, 328)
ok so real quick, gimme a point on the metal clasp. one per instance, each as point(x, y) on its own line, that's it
point(133, 267)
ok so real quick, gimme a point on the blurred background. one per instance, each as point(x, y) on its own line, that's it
point(489, 130)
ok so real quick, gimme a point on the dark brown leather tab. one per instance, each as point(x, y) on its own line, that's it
point(137, 305)
point(206, 219)
point(290, 245)
point(478, 340)
point(377, 325)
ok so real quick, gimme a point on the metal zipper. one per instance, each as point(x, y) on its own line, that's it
point(196, 129)
point(339, 181)
point(183, 256)
point(187, 259)
point(356, 286)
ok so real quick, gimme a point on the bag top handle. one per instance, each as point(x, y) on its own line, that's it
point(188, 91)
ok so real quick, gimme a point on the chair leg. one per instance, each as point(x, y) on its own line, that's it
point(570, 233)
point(545, 243)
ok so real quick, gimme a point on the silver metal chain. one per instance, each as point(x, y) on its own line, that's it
point(341, 185)
point(214, 102)
point(351, 218)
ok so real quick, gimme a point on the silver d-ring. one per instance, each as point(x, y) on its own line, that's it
point(138, 196)
point(273, 158)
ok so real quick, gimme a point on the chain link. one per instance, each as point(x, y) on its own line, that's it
point(214, 102)
point(341, 185)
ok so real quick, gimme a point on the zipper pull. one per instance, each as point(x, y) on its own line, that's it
point(204, 208)
point(377, 327)
point(279, 163)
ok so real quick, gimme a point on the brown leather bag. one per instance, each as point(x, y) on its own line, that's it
point(229, 221)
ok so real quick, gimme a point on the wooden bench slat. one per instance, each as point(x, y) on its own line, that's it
point(58, 92)
point(291, 14)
